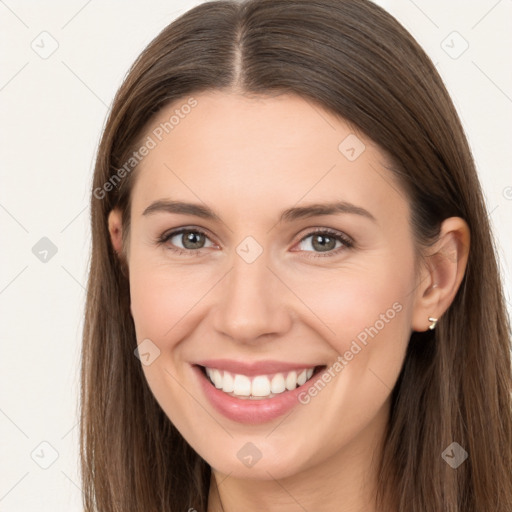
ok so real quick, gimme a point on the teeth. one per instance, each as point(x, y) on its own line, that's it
point(260, 385)
point(217, 379)
point(291, 381)
point(278, 383)
point(228, 383)
point(301, 378)
point(242, 385)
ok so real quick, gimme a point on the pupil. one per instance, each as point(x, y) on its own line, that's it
point(320, 242)
point(324, 246)
point(189, 239)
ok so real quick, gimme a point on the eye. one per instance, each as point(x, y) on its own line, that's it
point(324, 240)
point(192, 240)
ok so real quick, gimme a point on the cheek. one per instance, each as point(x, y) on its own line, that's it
point(161, 297)
point(162, 302)
point(359, 303)
point(155, 308)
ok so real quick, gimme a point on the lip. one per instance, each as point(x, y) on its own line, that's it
point(266, 367)
point(249, 411)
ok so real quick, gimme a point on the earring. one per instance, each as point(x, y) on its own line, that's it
point(432, 326)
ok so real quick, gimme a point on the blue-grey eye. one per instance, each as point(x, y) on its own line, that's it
point(321, 242)
point(189, 238)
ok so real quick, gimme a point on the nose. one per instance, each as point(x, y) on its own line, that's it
point(252, 302)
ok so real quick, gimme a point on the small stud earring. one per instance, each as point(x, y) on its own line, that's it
point(432, 326)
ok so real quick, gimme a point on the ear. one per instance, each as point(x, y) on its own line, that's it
point(442, 273)
point(115, 228)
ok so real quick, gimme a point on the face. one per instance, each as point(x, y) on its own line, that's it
point(259, 289)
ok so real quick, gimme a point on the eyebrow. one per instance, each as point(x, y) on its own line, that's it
point(288, 215)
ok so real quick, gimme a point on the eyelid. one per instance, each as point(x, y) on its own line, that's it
point(167, 235)
point(346, 240)
point(329, 231)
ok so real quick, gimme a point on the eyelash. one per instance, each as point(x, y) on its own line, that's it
point(344, 239)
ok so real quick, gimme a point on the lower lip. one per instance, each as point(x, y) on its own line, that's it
point(247, 410)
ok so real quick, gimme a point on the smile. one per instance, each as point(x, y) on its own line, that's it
point(259, 386)
point(256, 392)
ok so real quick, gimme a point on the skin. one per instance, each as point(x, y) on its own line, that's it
point(248, 159)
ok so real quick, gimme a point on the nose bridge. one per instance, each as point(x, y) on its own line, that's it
point(250, 304)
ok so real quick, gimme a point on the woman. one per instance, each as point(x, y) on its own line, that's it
point(294, 301)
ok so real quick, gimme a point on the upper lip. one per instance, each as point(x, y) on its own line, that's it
point(254, 367)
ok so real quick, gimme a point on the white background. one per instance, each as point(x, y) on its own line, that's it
point(52, 112)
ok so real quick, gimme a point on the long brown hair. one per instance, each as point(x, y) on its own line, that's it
point(356, 60)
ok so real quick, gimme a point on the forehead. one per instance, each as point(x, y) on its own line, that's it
point(256, 152)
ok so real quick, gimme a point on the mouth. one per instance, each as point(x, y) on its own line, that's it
point(259, 387)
